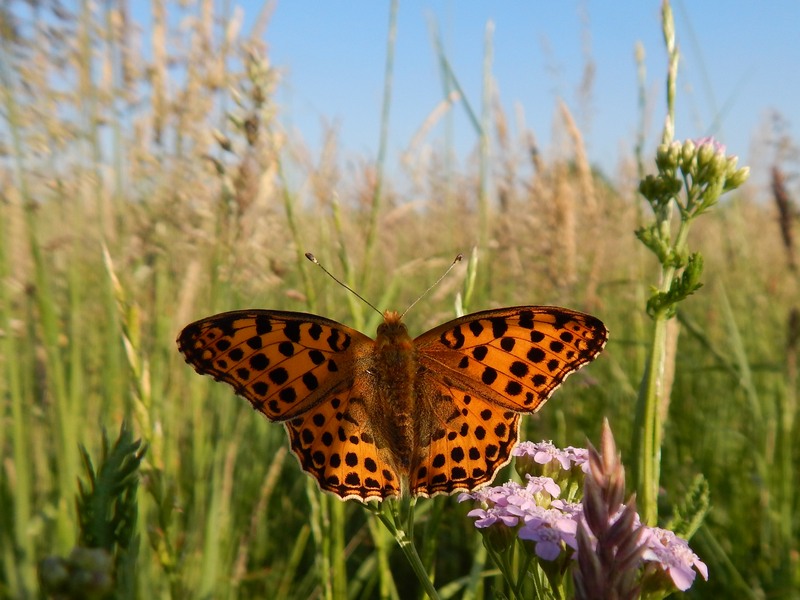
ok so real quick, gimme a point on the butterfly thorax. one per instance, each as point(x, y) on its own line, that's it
point(394, 367)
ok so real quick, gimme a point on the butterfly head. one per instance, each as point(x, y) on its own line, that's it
point(392, 331)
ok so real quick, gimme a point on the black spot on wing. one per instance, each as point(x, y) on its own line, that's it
point(315, 331)
point(476, 328)
point(499, 326)
point(263, 325)
point(292, 331)
point(480, 352)
point(526, 319)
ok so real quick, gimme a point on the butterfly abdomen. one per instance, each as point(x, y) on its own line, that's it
point(395, 412)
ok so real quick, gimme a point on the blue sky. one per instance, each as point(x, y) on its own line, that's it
point(740, 59)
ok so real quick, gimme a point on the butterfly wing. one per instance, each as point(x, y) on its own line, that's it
point(468, 440)
point(335, 443)
point(300, 369)
point(478, 372)
point(284, 363)
point(514, 357)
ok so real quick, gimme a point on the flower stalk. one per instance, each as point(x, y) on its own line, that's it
point(402, 530)
point(691, 176)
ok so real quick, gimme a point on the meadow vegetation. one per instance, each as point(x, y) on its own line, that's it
point(139, 195)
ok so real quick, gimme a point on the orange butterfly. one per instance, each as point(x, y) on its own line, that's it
point(372, 419)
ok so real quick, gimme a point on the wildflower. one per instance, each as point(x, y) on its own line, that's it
point(511, 502)
point(552, 530)
point(539, 491)
point(495, 500)
point(598, 541)
point(493, 494)
point(579, 457)
point(494, 520)
point(541, 453)
point(674, 556)
point(567, 467)
point(713, 145)
point(549, 540)
point(490, 516)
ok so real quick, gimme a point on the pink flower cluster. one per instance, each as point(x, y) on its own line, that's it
point(544, 453)
point(534, 507)
point(535, 513)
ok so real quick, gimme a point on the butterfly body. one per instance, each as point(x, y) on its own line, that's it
point(391, 372)
point(371, 419)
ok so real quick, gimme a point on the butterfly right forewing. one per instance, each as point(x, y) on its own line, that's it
point(515, 357)
point(479, 372)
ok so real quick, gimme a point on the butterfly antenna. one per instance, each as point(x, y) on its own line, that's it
point(314, 260)
point(456, 260)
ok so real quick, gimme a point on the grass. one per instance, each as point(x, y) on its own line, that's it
point(129, 211)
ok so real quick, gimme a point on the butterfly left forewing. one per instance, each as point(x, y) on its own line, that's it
point(514, 357)
point(284, 363)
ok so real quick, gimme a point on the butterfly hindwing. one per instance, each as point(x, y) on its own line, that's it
point(469, 441)
point(335, 443)
point(514, 357)
point(282, 362)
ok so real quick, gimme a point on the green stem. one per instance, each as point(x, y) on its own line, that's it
point(406, 543)
point(651, 396)
point(338, 554)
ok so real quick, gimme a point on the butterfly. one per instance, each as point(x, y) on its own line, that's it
point(395, 416)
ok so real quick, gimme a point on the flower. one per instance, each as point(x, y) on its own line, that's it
point(535, 508)
point(579, 457)
point(542, 453)
point(544, 458)
point(597, 541)
point(511, 502)
point(488, 517)
point(495, 494)
point(674, 556)
point(715, 146)
point(550, 528)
